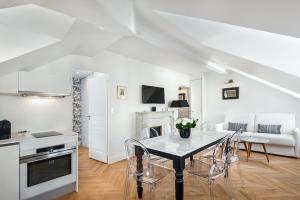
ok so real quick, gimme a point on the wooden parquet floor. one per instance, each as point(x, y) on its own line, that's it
point(278, 180)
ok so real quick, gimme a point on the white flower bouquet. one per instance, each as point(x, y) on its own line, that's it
point(186, 123)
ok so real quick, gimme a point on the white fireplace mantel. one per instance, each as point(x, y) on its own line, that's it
point(153, 119)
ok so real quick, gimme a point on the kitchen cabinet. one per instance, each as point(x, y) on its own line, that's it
point(46, 83)
point(9, 171)
point(20, 83)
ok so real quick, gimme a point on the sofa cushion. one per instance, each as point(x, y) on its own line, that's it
point(240, 118)
point(278, 139)
point(272, 129)
point(286, 120)
point(237, 126)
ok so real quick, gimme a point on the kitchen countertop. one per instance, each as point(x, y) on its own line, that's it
point(28, 143)
point(21, 138)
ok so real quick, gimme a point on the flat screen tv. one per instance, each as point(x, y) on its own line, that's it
point(155, 95)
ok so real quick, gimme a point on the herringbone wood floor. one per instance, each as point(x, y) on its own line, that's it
point(279, 180)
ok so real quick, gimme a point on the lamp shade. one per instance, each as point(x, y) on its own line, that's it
point(179, 104)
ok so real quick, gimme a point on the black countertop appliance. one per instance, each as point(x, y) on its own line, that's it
point(5, 130)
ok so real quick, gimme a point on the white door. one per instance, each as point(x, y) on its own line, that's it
point(196, 99)
point(94, 114)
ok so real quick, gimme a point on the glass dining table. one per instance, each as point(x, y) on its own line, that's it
point(178, 149)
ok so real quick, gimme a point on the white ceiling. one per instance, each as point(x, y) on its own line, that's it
point(275, 16)
point(90, 11)
point(258, 38)
point(15, 42)
point(138, 48)
point(11, 3)
point(278, 51)
point(36, 19)
point(80, 74)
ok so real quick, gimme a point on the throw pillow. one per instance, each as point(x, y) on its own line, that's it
point(273, 129)
point(237, 126)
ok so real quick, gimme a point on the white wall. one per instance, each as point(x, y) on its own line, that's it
point(132, 73)
point(51, 114)
point(40, 114)
point(36, 114)
point(254, 98)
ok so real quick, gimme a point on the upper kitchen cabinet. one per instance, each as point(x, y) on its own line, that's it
point(36, 83)
point(44, 83)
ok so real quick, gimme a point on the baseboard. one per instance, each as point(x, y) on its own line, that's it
point(98, 155)
point(116, 158)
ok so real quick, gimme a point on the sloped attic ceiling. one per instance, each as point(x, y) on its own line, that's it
point(12, 3)
point(95, 12)
point(138, 48)
point(278, 51)
point(96, 25)
point(32, 36)
point(274, 16)
point(36, 19)
point(267, 57)
point(27, 28)
point(15, 43)
point(255, 38)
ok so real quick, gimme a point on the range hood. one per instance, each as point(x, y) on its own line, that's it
point(42, 94)
point(36, 84)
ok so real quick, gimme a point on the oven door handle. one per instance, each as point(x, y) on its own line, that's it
point(46, 156)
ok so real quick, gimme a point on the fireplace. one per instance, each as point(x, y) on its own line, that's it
point(159, 121)
point(154, 130)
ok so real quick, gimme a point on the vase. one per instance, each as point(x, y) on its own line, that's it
point(185, 132)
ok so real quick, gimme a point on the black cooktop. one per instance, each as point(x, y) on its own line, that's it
point(46, 134)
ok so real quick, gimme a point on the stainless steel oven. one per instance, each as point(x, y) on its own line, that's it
point(48, 169)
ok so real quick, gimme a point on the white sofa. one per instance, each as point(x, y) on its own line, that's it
point(287, 143)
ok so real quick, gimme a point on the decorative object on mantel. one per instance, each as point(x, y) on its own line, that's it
point(230, 93)
point(179, 104)
point(153, 108)
point(122, 92)
point(184, 126)
point(230, 81)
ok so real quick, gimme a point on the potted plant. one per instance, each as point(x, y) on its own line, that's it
point(184, 126)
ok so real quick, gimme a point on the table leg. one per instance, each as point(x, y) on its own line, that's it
point(178, 165)
point(191, 158)
point(139, 168)
point(266, 153)
point(245, 145)
point(249, 150)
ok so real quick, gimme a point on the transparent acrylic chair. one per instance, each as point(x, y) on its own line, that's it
point(233, 146)
point(233, 153)
point(141, 169)
point(168, 129)
point(156, 160)
point(146, 133)
point(204, 126)
point(213, 168)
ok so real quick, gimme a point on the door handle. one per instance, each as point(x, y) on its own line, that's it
point(89, 117)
